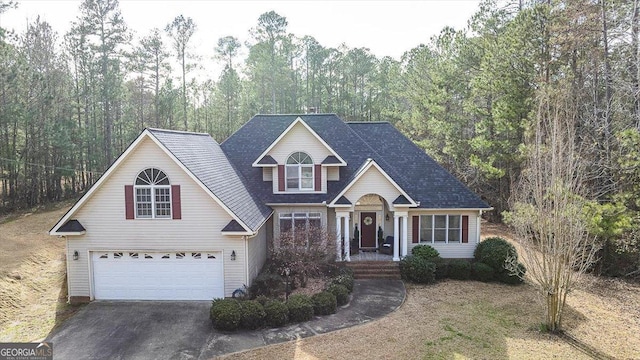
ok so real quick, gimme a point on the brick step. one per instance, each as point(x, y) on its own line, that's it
point(377, 265)
point(376, 271)
point(378, 276)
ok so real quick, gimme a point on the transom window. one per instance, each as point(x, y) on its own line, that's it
point(440, 228)
point(299, 170)
point(153, 195)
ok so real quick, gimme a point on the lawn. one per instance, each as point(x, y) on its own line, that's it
point(448, 320)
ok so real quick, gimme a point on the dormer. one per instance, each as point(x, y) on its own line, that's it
point(299, 161)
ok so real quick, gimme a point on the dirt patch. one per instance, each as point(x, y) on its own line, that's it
point(32, 276)
point(314, 286)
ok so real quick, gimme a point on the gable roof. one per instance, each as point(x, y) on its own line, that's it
point(203, 160)
point(297, 121)
point(425, 181)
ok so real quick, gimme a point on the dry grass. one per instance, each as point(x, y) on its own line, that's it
point(32, 275)
point(471, 320)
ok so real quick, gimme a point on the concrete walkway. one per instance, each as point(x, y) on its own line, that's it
point(169, 330)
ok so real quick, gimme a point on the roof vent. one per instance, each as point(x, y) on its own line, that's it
point(312, 110)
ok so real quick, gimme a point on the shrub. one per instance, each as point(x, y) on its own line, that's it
point(300, 308)
point(426, 252)
point(345, 270)
point(263, 300)
point(225, 314)
point(324, 303)
point(340, 292)
point(442, 268)
point(512, 279)
point(277, 313)
point(252, 314)
point(345, 280)
point(267, 283)
point(494, 252)
point(417, 269)
point(459, 269)
point(482, 272)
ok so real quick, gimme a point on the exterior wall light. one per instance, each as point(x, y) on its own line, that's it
point(387, 217)
point(233, 255)
point(75, 255)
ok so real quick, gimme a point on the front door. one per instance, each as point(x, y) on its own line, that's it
point(368, 226)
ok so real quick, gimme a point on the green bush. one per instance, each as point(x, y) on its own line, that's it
point(324, 303)
point(426, 252)
point(345, 270)
point(494, 252)
point(226, 314)
point(345, 280)
point(442, 268)
point(482, 272)
point(300, 308)
point(277, 313)
point(341, 293)
point(252, 314)
point(263, 300)
point(417, 269)
point(512, 279)
point(267, 283)
point(459, 269)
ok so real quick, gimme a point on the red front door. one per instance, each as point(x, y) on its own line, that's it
point(368, 229)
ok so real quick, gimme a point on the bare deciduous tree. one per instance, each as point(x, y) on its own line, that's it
point(548, 206)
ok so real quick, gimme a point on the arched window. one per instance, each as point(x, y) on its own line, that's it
point(299, 172)
point(153, 194)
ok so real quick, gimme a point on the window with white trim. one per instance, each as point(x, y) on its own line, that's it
point(440, 228)
point(296, 222)
point(299, 172)
point(152, 195)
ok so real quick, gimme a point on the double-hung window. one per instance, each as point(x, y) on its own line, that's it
point(299, 169)
point(440, 228)
point(299, 223)
point(152, 195)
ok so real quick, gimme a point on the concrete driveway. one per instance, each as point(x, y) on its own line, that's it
point(182, 330)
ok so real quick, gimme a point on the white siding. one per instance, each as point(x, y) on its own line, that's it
point(333, 173)
point(107, 229)
point(267, 173)
point(373, 182)
point(453, 250)
point(257, 253)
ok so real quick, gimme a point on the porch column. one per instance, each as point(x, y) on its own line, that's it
point(347, 243)
point(405, 227)
point(396, 238)
point(338, 238)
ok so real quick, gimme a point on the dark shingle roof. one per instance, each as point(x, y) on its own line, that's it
point(232, 226)
point(201, 155)
point(330, 160)
point(343, 201)
point(71, 226)
point(411, 168)
point(267, 160)
point(401, 200)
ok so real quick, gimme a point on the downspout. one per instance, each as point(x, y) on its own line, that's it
point(66, 258)
point(246, 255)
point(478, 226)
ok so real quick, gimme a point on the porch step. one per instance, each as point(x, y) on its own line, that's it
point(375, 269)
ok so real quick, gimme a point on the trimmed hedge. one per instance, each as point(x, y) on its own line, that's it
point(426, 252)
point(340, 292)
point(300, 308)
point(482, 272)
point(225, 314)
point(442, 268)
point(253, 314)
point(417, 269)
point(494, 252)
point(345, 280)
point(277, 313)
point(324, 303)
point(459, 269)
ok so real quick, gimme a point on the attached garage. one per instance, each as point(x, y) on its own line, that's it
point(153, 275)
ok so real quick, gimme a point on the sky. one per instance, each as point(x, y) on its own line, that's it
point(387, 28)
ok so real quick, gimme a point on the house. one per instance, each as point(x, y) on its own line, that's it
point(178, 216)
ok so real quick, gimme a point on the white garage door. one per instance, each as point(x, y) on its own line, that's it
point(130, 275)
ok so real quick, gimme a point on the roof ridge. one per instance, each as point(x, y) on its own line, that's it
point(368, 122)
point(179, 132)
point(297, 114)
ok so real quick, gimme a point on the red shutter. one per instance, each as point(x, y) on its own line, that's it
point(280, 177)
point(176, 207)
point(318, 177)
point(465, 228)
point(416, 228)
point(128, 202)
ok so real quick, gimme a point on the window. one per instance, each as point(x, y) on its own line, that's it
point(297, 222)
point(440, 228)
point(299, 172)
point(152, 195)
